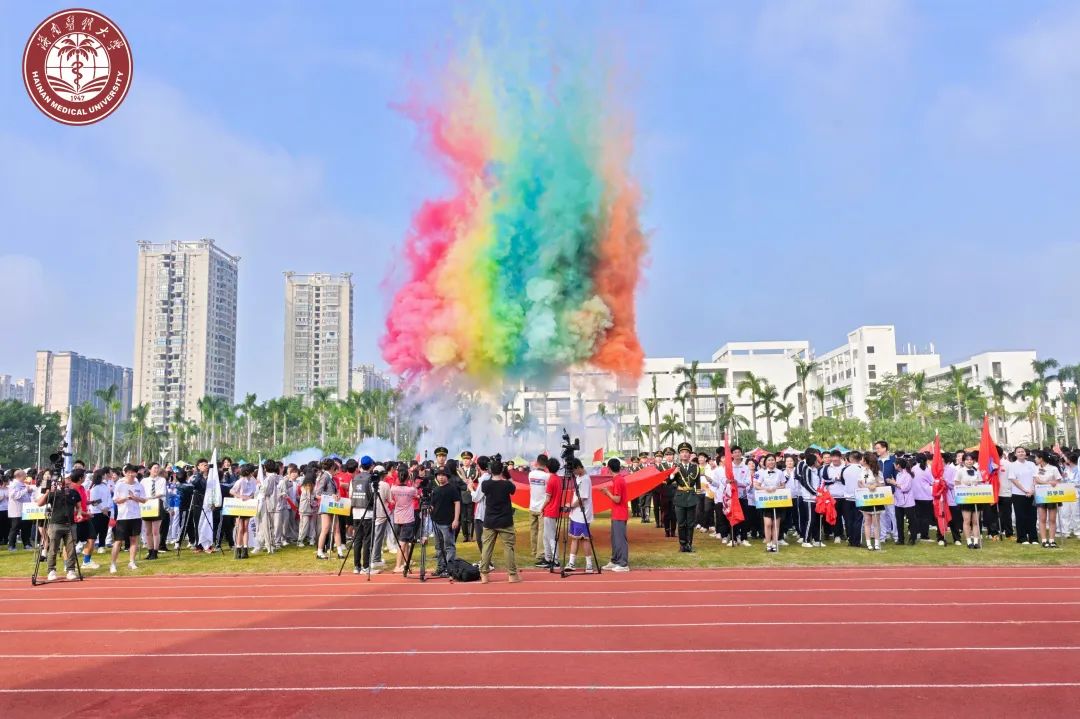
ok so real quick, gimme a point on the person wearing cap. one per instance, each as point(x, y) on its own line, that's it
point(684, 483)
point(362, 498)
point(441, 453)
point(446, 516)
point(665, 509)
point(645, 501)
point(465, 476)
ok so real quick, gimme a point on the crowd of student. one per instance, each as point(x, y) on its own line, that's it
point(157, 508)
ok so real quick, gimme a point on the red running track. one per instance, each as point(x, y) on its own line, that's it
point(981, 641)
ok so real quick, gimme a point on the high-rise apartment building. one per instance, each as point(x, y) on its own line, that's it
point(318, 333)
point(20, 390)
point(366, 378)
point(185, 327)
point(67, 379)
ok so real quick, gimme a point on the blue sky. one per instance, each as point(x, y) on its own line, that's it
point(808, 166)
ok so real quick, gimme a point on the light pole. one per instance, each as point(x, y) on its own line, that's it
point(40, 428)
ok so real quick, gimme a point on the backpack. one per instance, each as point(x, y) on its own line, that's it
point(461, 571)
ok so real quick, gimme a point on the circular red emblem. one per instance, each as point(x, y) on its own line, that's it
point(77, 67)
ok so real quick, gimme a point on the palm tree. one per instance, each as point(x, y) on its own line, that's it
point(110, 398)
point(248, 408)
point(783, 414)
point(767, 398)
point(1071, 398)
point(919, 393)
point(86, 424)
point(139, 428)
point(320, 405)
point(1040, 368)
point(81, 50)
point(820, 394)
point(689, 387)
point(841, 394)
point(604, 416)
point(752, 385)
point(957, 386)
point(651, 408)
point(1033, 392)
point(670, 426)
point(999, 392)
point(804, 369)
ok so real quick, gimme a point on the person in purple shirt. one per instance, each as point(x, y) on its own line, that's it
point(956, 520)
point(922, 489)
point(903, 499)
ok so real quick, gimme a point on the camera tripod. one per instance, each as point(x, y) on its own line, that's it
point(183, 518)
point(562, 522)
point(371, 537)
point(41, 527)
point(425, 518)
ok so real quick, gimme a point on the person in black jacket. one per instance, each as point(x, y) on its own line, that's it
point(198, 492)
point(226, 523)
point(498, 520)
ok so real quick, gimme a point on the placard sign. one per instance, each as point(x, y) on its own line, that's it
point(880, 497)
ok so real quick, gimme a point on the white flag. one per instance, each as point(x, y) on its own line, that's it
point(69, 457)
point(211, 499)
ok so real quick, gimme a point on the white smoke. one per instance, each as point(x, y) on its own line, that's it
point(302, 456)
point(377, 448)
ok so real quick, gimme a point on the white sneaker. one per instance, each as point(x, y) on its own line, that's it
point(112, 569)
point(92, 565)
point(570, 567)
point(818, 544)
point(745, 543)
point(101, 550)
point(72, 576)
point(618, 568)
point(957, 543)
point(836, 540)
point(356, 570)
point(51, 577)
point(373, 570)
point(730, 543)
point(589, 569)
point(340, 553)
point(713, 534)
point(941, 542)
point(132, 566)
point(1026, 542)
point(807, 544)
point(375, 565)
point(610, 566)
point(321, 555)
point(783, 543)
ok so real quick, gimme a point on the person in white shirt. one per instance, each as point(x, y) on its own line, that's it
point(1069, 513)
point(766, 482)
point(128, 496)
point(871, 516)
point(155, 487)
point(101, 508)
point(1047, 474)
point(1021, 478)
point(243, 488)
point(970, 476)
point(537, 491)
point(581, 517)
point(18, 494)
point(479, 504)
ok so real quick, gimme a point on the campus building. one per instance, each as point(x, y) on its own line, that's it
point(366, 378)
point(20, 390)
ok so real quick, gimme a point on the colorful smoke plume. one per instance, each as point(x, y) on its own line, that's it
point(531, 263)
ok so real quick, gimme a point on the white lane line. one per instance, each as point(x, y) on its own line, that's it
point(518, 607)
point(531, 652)
point(121, 582)
point(579, 625)
point(534, 687)
point(606, 592)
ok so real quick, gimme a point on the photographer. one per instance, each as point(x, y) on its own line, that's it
point(446, 516)
point(498, 521)
point(65, 503)
point(361, 491)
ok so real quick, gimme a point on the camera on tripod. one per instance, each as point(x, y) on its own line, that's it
point(569, 447)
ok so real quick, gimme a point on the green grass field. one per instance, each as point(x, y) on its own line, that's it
point(648, 549)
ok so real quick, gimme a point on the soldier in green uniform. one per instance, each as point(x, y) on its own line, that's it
point(665, 498)
point(685, 481)
point(466, 473)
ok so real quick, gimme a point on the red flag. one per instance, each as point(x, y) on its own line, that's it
point(417, 456)
point(733, 510)
point(825, 504)
point(989, 459)
point(598, 456)
point(941, 498)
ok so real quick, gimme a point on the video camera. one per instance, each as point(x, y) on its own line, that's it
point(569, 448)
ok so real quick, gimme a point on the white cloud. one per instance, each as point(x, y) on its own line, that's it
point(1034, 94)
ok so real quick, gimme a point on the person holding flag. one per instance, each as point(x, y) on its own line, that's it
point(211, 500)
point(1069, 513)
point(940, 491)
point(733, 507)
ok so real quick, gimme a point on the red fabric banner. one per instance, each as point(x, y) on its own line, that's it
point(640, 482)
